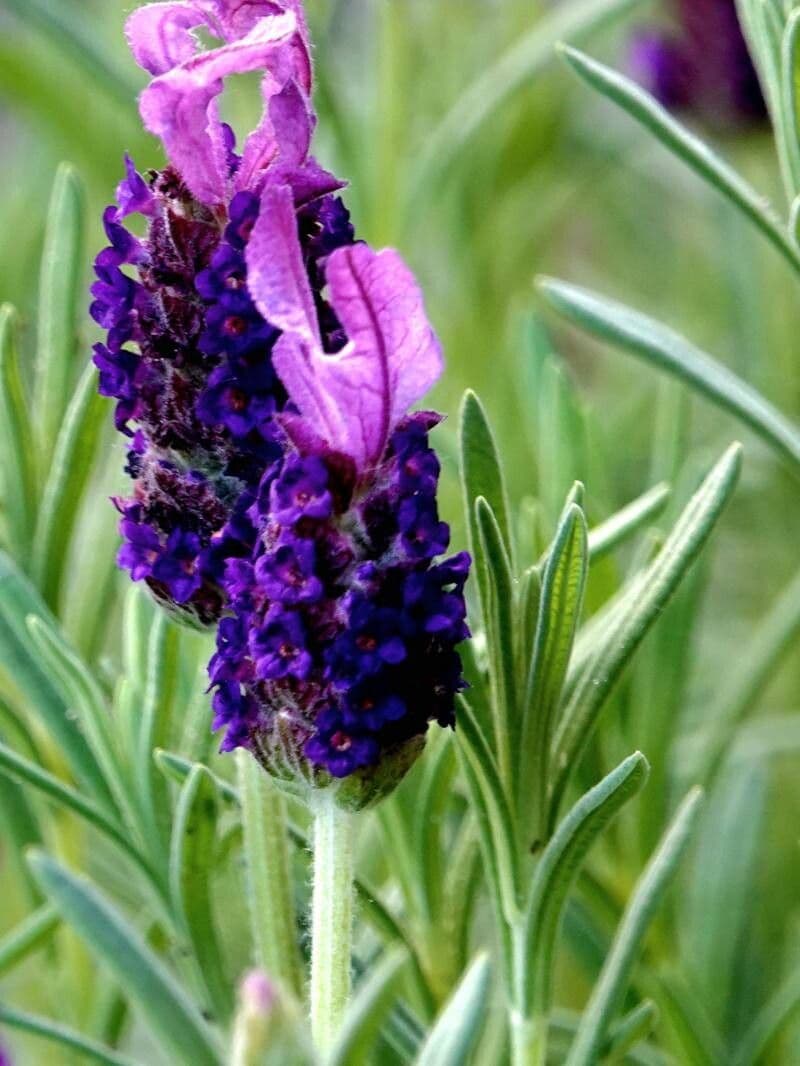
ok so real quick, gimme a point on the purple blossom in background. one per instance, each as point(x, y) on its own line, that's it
point(701, 66)
point(264, 365)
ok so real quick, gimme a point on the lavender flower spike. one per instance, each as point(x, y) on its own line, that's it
point(264, 366)
point(188, 356)
point(341, 645)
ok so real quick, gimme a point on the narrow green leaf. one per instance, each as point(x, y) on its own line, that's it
point(610, 987)
point(453, 1037)
point(481, 474)
point(717, 904)
point(667, 350)
point(631, 620)
point(557, 872)
point(524, 61)
point(622, 525)
point(154, 727)
point(630, 1030)
point(121, 950)
point(433, 797)
point(753, 668)
point(633, 1026)
point(481, 469)
point(560, 443)
point(60, 296)
point(374, 998)
point(787, 130)
point(56, 1033)
point(563, 586)
point(67, 480)
point(270, 898)
point(779, 1009)
point(27, 937)
point(684, 1014)
point(17, 453)
point(194, 834)
point(26, 674)
point(491, 807)
point(529, 594)
point(23, 770)
point(176, 768)
point(86, 696)
point(500, 633)
point(687, 147)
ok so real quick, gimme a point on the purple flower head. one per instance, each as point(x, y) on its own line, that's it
point(264, 364)
point(189, 354)
point(351, 639)
point(701, 65)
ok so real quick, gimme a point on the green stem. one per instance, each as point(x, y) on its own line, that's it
point(528, 1040)
point(266, 847)
point(527, 1023)
point(331, 920)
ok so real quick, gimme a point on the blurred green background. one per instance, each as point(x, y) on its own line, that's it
point(486, 173)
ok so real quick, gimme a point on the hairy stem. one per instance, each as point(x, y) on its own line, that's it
point(331, 920)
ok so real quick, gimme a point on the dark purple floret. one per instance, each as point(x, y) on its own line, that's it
point(340, 634)
point(301, 491)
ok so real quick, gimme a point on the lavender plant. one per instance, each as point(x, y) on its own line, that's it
point(280, 519)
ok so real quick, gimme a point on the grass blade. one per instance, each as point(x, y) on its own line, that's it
point(663, 348)
point(687, 147)
point(650, 888)
point(121, 950)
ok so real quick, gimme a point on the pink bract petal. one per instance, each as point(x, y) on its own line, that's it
point(284, 134)
point(308, 181)
point(276, 274)
point(356, 397)
point(238, 17)
point(160, 35)
point(180, 108)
